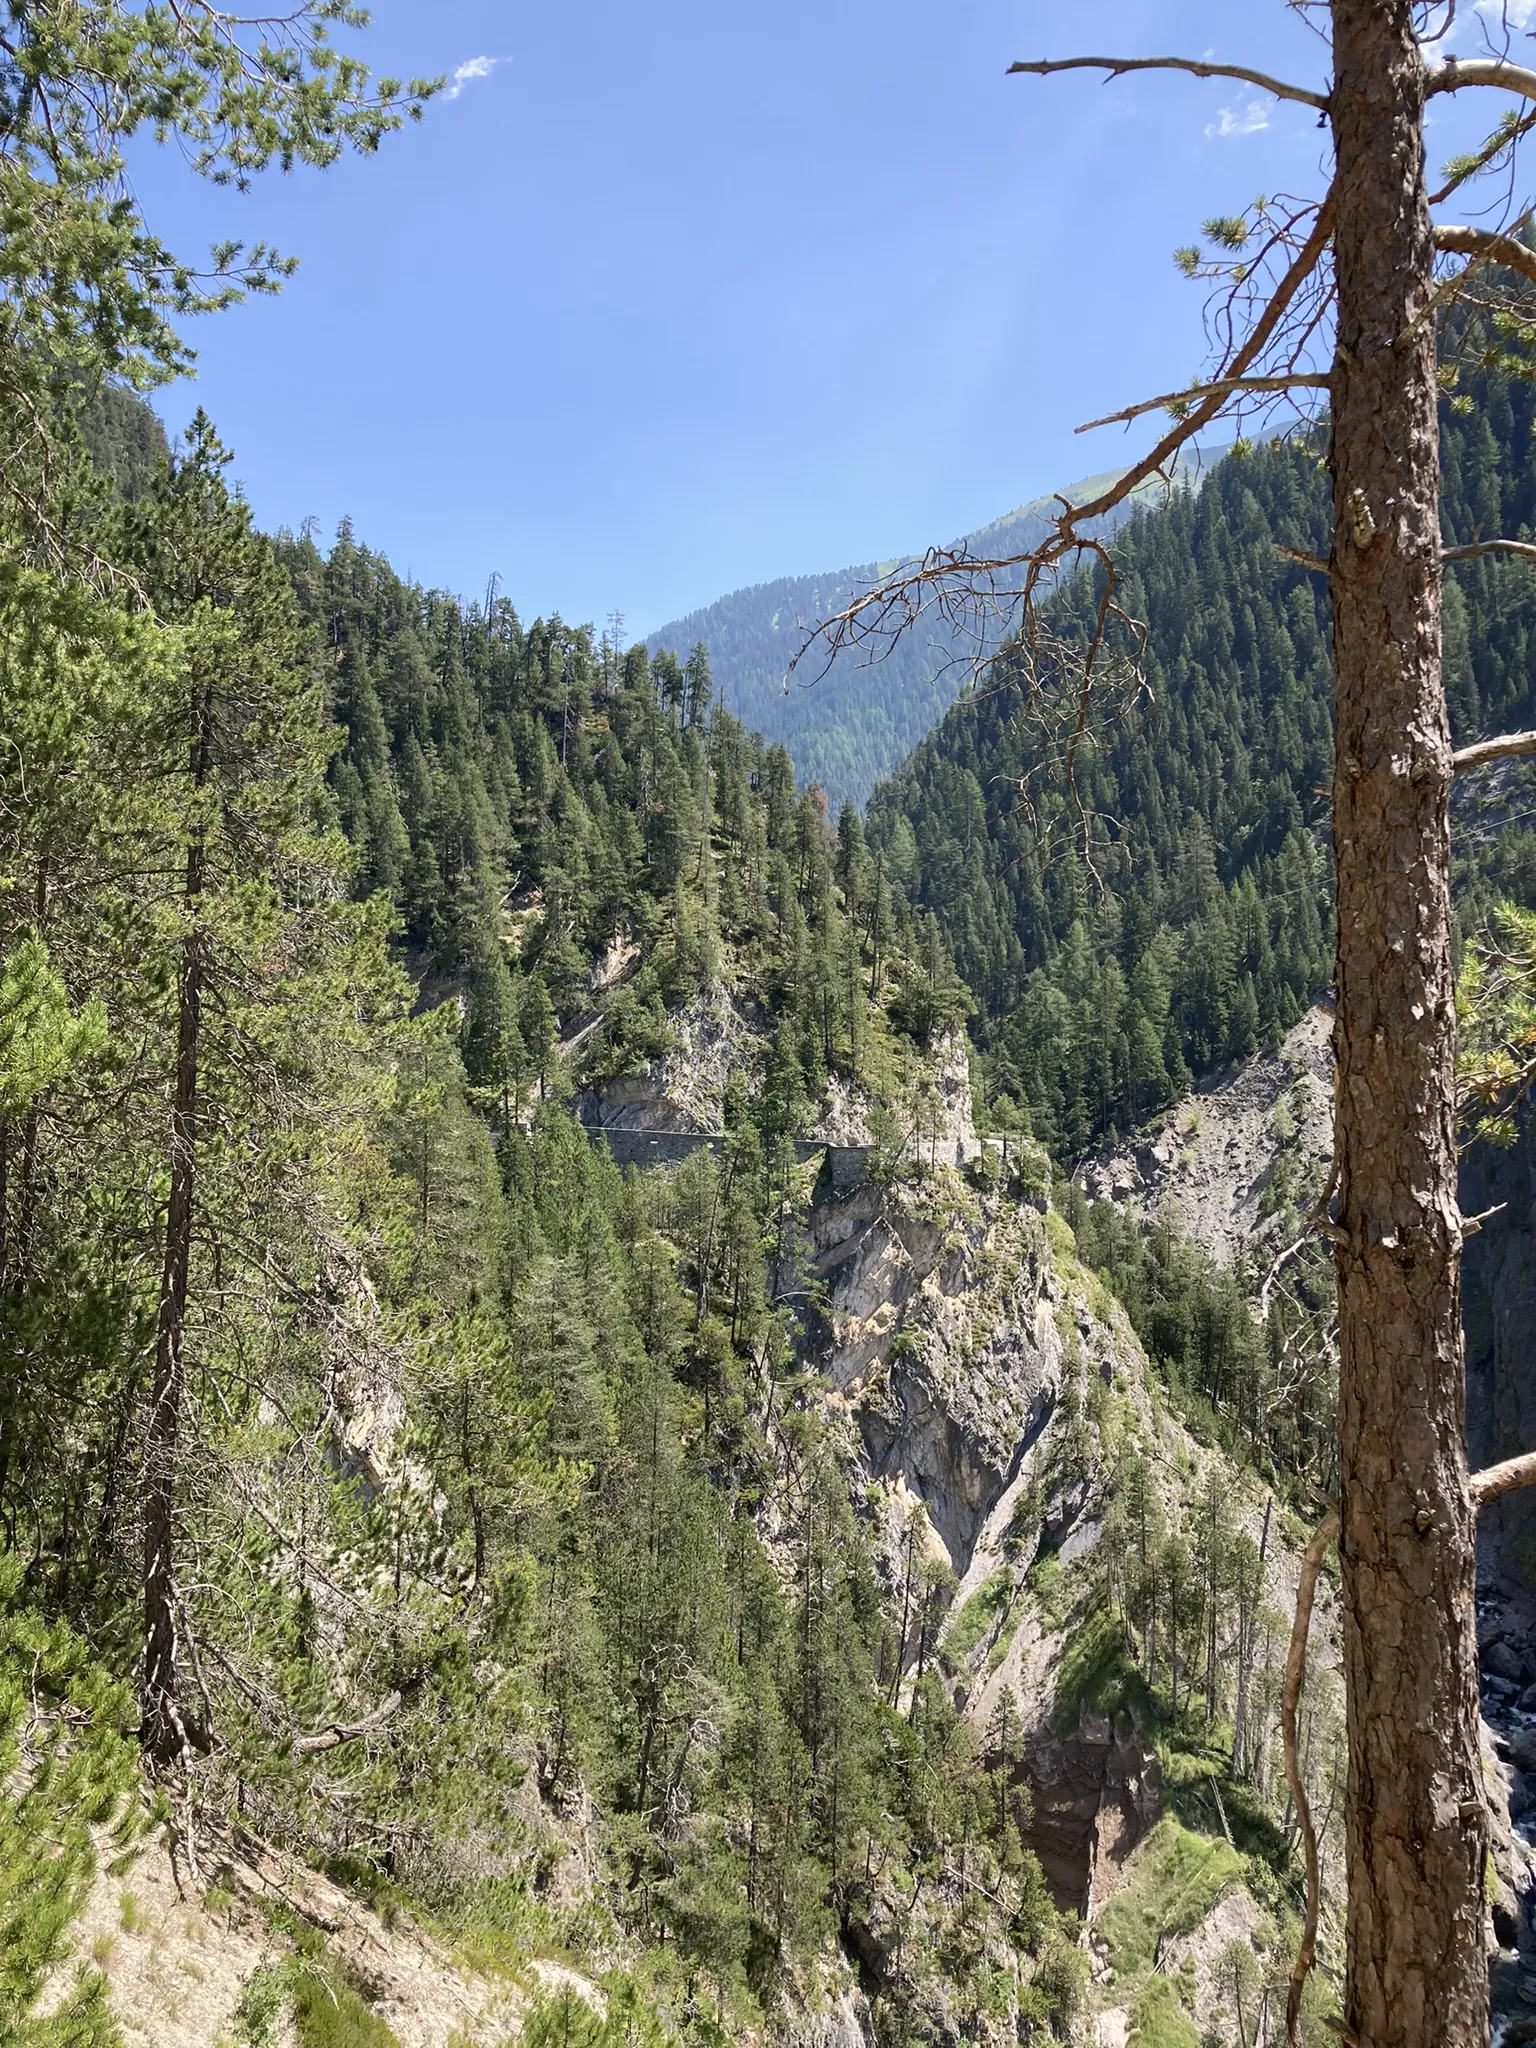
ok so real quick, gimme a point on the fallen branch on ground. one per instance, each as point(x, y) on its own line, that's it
point(340, 1732)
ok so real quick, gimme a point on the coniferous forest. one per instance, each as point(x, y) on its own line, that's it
point(386, 1390)
point(591, 1450)
point(1171, 913)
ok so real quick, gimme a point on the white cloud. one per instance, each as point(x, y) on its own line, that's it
point(470, 72)
point(1251, 119)
point(1488, 21)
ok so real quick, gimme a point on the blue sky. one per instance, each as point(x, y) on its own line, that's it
point(674, 297)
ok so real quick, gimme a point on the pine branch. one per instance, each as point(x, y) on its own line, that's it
point(902, 596)
point(1498, 1480)
point(1456, 72)
point(1471, 757)
point(1474, 549)
point(1484, 246)
point(1118, 66)
point(1302, 559)
point(1508, 747)
point(1306, 260)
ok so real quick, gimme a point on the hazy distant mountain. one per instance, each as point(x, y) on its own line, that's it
point(859, 721)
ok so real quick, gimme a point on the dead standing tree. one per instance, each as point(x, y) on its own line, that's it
point(1359, 276)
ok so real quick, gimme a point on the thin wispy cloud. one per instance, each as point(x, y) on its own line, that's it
point(1251, 119)
point(470, 73)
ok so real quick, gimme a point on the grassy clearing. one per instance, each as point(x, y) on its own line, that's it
point(1176, 1879)
point(1158, 2019)
point(1096, 1670)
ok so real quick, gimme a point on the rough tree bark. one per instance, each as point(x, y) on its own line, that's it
point(1417, 1832)
point(165, 1732)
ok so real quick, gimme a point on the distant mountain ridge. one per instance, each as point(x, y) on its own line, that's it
point(855, 724)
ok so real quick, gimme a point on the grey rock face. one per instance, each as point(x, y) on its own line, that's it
point(940, 1330)
point(845, 2026)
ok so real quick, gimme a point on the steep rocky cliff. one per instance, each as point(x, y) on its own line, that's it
point(1231, 1166)
point(998, 1398)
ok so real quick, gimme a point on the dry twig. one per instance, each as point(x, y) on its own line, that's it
point(351, 1731)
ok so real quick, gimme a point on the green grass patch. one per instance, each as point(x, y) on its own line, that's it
point(1101, 1300)
point(328, 2005)
point(329, 2013)
point(262, 2007)
point(1158, 2019)
point(1003, 1641)
point(1196, 1775)
point(1060, 1235)
point(1096, 1670)
point(1177, 1878)
point(977, 1617)
point(1052, 1588)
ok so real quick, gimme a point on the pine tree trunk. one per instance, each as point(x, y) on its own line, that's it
point(1416, 1833)
point(164, 1731)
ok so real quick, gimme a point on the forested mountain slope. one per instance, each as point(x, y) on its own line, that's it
point(691, 1582)
point(495, 1545)
point(454, 1590)
point(1173, 913)
point(847, 725)
point(782, 1598)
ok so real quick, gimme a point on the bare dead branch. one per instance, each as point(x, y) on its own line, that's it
point(1484, 246)
point(1302, 559)
point(340, 1732)
point(1474, 549)
point(1456, 72)
point(1278, 1267)
point(1117, 67)
point(1508, 747)
point(1471, 1225)
point(897, 601)
point(1498, 1480)
point(1295, 1672)
point(1306, 260)
point(1225, 387)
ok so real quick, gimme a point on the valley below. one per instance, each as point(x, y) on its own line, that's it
point(723, 1443)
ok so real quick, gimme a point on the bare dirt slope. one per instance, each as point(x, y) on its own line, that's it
point(178, 1958)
